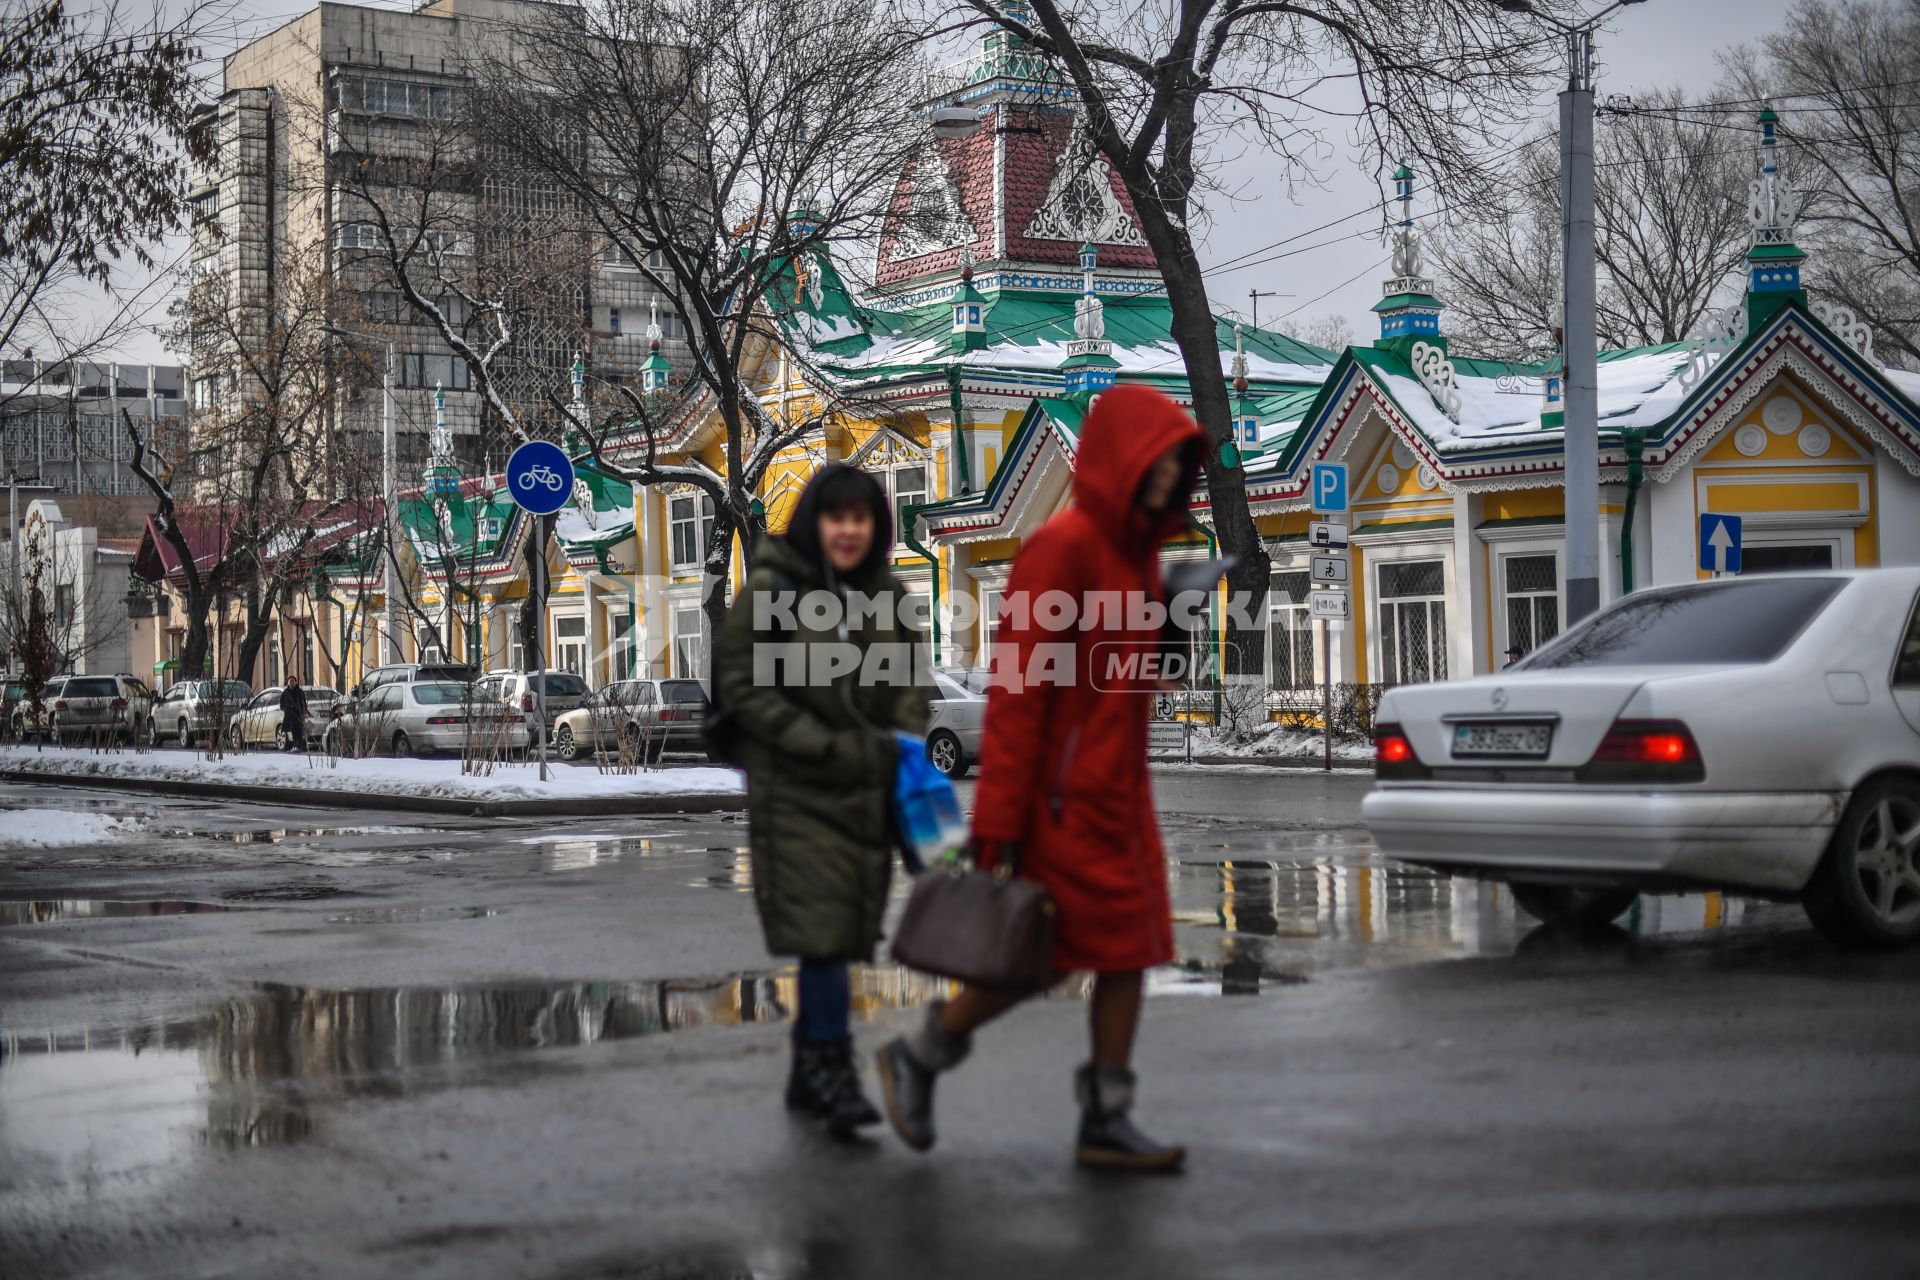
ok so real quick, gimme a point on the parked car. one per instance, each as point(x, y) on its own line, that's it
point(415, 673)
point(260, 722)
point(194, 710)
point(97, 708)
point(954, 720)
point(13, 697)
point(565, 692)
point(407, 718)
point(655, 715)
point(23, 720)
point(1759, 735)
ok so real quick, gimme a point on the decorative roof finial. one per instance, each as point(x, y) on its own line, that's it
point(1408, 307)
point(1089, 313)
point(1239, 361)
point(1773, 263)
point(655, 372)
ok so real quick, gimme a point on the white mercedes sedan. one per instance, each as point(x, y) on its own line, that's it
point(1757, 735)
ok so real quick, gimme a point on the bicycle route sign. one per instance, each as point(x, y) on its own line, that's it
point(540, 477)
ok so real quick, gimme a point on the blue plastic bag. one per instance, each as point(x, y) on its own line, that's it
point(926, 812)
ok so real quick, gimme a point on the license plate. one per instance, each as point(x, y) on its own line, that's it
point(1515, 740)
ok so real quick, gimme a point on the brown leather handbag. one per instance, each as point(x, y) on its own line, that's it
point(987, 928)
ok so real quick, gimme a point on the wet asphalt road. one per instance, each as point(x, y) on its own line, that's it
point(248, 1041)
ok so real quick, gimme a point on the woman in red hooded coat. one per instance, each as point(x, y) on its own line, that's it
point(1063, 766)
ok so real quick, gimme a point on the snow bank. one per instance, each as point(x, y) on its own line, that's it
point(377, 776)
point(1279, 743)
point(49, 828)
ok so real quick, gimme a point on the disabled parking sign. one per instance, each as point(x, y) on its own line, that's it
point(540, 477)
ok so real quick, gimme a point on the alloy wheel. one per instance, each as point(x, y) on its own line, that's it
point(944, 751)
point(1886, 859)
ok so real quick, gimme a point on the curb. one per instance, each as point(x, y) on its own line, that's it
point(307, 797)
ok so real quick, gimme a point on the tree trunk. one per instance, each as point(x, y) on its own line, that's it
point(713, 605)
point(1194, 332)
point(193, 650)
point(260, 614)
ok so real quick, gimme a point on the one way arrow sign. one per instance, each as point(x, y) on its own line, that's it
point(1720, 543)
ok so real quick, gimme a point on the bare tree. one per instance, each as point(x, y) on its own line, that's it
point(1330, 332)
point(261, 476)
point(1172, 93)
point(1842, 75)
point(722, 148)
point(1670, 228)
point(97, 132)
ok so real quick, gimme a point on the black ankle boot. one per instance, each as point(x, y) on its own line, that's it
point(907, 1068)
point(806, 1076)
point(844, 1104)
point(1108, 1139)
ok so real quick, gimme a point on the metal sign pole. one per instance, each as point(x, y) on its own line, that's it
point(1326, 690)
point(544, 525)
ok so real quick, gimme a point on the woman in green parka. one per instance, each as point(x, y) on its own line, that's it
point(817, 690)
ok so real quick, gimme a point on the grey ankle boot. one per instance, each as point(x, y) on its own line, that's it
point(907, 1067)
point(1108, 1139)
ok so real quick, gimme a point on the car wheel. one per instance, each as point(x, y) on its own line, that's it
point(1866, 890)
point(563, 744)
point(235, 743)
point(282, 739)
point(946, 753)
point(186, 737)
point(1571, 904)
point(402, 744)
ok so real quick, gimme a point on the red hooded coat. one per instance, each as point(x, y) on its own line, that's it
point(1063, 759)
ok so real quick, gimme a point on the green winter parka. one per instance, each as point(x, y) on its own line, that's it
point(820, 760)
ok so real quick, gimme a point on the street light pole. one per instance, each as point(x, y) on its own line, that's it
point(1580, 438)
point(390, 582)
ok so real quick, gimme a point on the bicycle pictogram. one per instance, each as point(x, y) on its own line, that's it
point(544, 476)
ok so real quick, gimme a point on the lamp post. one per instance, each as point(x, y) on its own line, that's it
point(1580, 437)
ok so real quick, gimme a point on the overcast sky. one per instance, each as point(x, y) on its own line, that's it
point(1651, 45)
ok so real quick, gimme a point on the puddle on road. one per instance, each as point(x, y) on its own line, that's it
point(412, 915)
point(55, 910)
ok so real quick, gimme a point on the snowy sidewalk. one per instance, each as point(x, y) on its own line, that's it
point(422, 786)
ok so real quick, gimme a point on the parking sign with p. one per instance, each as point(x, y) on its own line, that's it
point(1329, 486)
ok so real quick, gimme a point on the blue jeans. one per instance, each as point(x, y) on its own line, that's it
point(826, 991)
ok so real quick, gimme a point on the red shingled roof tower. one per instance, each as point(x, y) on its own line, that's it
point(1022, 193)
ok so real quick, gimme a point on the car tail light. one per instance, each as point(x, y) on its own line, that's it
point(1393, 754)
point(119, 704)
point(446, 719)
point(59, 704)
point(673, 715)
point(526, 702)
point(1645, 751)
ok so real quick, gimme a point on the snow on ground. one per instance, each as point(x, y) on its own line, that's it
point(376, 776)
point(1278, 742)
point(48, 828)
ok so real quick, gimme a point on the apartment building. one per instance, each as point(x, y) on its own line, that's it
point(350, 103)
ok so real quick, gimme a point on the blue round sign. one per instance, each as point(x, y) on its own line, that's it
point(540, 477)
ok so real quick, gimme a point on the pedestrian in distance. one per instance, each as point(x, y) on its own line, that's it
point(1514, 654)
point(820, 757)
point(1063, 783)
point(293, 715)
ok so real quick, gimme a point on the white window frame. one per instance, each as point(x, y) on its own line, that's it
point(1839, 539)
point(569, 646)
point(1276, 607)
point(925, 467)
point(700, 518)
point(1508, 548)
point(1387, 548)
point(678, 610)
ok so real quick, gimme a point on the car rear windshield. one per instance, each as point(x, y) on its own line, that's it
point(560, 684)
point(682, 691)
point(91, 689)
point(1711, 624)
point(439, 695)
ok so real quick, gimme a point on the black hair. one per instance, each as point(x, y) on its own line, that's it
point(839, 487)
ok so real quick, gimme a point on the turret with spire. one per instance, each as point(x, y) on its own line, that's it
point(1089, 367)
point(441, 478)
point(1409, 310)
point(655, 372)
point(1246, 427)
point(1773, 263)
point(969, 310)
